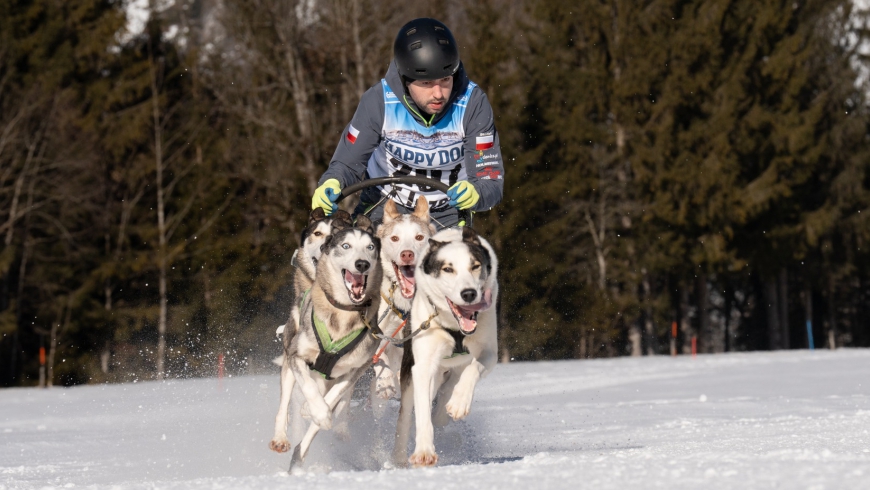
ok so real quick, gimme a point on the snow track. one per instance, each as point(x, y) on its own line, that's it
point(793, 419)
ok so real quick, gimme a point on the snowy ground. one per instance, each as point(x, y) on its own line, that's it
point(763, 420)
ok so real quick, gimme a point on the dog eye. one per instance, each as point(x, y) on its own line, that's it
point(318, 233)
point(419, 238)
point(448, 270)
point(394, 238)
point(345, 246)
point(475, 267)
point(371, 246)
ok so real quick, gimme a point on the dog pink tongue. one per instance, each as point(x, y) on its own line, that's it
point(408, 285)
point(467, 324)
point(484, 304)
point(357, 282)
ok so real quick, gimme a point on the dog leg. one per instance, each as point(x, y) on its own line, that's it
point(279, 441)
point(318, 410)
point(423, 375)
point(459, 405)
point(334, 396)
point(439, 415)
point(403, 425)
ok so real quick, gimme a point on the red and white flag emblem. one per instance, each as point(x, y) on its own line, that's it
point(483, 143)
point(352, 133)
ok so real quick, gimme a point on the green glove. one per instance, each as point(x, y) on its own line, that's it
point(325, 196)
point(462, 195)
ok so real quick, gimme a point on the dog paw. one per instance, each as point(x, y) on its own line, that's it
point(423, 459)
point(279, 445)
point(321, 416)
point(386, 386)
point(459, 407)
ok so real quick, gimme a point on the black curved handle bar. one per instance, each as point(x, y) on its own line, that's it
point(403, 179)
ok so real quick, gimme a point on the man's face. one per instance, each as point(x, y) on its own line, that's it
point(431, 95)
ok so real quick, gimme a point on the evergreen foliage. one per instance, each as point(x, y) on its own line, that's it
point(702, 162)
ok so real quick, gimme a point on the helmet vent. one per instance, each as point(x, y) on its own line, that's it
point(438, 28)
point(411, 31)
point(444, 42)
point(415, 45)
point(447, 67)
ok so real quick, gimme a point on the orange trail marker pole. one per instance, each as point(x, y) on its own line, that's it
point(694, 346)
point(42, 367)
point(673, 338)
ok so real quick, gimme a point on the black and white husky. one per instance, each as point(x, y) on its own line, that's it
point(404, 237)
point(333, 345)
point(456, 345)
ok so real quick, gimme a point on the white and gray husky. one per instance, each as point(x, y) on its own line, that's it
point(404, 237)
point(332, 345)
point(454, 338)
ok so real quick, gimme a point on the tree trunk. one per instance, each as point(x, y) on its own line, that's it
point(634, 337)
point(728, 303)
point(808, 311)
point(774, 332)
point(648, 325)
point(783, 307)
point(686, 321)
point(161, 221)
point(832, 313)
point(704, 334)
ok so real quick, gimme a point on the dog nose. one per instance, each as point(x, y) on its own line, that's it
point(407, 256)
point(468, 295)
point(362, 265)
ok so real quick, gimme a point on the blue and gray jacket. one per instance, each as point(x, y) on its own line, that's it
point(388, 136)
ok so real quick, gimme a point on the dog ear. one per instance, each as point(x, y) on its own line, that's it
point(342, 215)
point(317, 214)
point(422, 209)
point(340, 224)
point(435, 245)
point(390, 211)
point(364, 223)
point(470, 236)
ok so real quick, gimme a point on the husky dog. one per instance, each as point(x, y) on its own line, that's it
point(305, 262)
point(332, 346)
point(454, 337)
point(403, 238)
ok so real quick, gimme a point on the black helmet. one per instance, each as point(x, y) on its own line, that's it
point(425, 50)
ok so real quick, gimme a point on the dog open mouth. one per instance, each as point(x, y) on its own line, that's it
point(356, 285)
point(407, 282)
point(466, 315)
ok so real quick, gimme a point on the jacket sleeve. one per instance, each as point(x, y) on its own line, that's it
point(358, 140)
point(483, 160)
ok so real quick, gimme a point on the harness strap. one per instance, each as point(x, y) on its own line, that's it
point(331, 351)
point(459, 348)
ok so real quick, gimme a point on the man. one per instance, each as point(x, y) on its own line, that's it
point(425, 118)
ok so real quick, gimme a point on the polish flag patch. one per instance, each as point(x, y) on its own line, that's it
point(483, 143)
point(352, 133)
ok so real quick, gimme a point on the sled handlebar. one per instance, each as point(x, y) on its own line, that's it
point(464, 215)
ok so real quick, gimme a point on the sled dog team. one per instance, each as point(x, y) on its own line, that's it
point(355, 288)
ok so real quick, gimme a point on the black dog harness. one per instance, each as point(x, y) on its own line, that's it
point(459, 348)
point(331, 351)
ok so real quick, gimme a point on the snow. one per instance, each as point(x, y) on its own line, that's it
point(795, 419)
